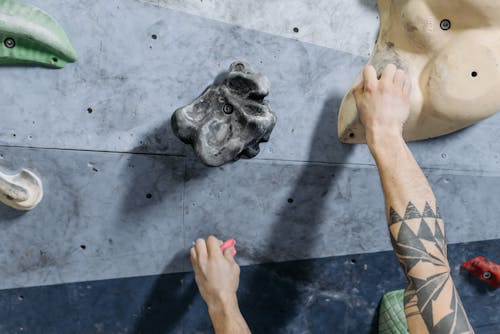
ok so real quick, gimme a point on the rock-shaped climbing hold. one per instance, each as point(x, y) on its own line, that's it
point(228, 120)
point(30, 36)
point(22, 191)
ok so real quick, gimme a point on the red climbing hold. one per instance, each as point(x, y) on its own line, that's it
point(487, 271)
point(228, 244)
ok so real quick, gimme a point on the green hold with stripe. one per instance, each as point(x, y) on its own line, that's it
point(29, 36)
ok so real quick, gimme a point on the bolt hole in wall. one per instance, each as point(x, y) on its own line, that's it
point(83, 247)
point(154, 36)
point(445, 24)
point(21, 297)
point(149, 196)
point(353, 261)
point(290, 200)
point(474, 74)
point(89, 110)
point(295, 30)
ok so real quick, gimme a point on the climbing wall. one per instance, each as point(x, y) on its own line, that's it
point(106, 250)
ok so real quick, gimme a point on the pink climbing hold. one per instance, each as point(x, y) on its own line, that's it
point(230, 243)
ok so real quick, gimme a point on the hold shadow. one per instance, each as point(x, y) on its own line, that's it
point(147, 173)
point(370, 4)
point(138, 197)
point(480, 287)
point(8, 213)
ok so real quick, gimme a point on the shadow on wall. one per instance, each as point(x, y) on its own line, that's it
point(370, 4)
point(138, 197)
point(144, 188)
point(265, 312)
point(165, 307)
point(157, 314)
point(8, 213)
point(268, 308)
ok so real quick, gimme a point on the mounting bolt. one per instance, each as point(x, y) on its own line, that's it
point(228, 109)
point(445, 24)
point(239, 67)
point(9, 42)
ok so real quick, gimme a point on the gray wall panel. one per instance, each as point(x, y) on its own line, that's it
point(99, 200)
point(336, 210)
point(133, 83)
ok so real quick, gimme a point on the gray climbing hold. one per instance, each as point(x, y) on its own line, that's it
point(228, 120)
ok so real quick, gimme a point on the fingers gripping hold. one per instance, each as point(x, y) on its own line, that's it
point(388, 74)
point(370, 78)
point(213, 246)
point(201, 249)
point(400, 78)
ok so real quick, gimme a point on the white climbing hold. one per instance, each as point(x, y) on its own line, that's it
point(22, 191)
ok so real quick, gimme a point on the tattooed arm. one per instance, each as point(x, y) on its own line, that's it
point(432, 304)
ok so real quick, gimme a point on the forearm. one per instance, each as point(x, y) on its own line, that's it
point(227, 318)
point(402, 179)
point(432, 304)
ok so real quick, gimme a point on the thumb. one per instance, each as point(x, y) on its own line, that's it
point(357, 90)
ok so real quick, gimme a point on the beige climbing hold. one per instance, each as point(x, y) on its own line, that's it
point(22, 191)
point(451, 51)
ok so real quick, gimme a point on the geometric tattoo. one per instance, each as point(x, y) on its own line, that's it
point(431, 300)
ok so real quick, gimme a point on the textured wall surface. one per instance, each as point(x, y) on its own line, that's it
point(125, 198)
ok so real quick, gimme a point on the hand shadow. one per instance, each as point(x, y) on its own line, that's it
point(270, 312)
point(167, 303)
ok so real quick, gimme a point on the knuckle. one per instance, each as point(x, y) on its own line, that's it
point(384, 86)
point(370, 87)
point(390, 66)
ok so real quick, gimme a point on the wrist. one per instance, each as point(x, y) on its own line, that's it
point(382, 141)
point(224, 303)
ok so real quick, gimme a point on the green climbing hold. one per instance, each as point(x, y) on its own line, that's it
point(392, 318)
point(29, 36)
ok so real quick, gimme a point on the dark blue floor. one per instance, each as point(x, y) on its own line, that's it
point(330, 295)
